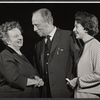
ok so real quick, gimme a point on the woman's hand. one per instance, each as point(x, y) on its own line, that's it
point(72, 82)
point(37, 82)
point(31, 82)
point(40, 81)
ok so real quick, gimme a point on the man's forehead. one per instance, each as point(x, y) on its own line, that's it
point(37, 15)
point(37, 19)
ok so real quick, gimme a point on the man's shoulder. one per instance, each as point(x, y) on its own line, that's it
point(64, 32)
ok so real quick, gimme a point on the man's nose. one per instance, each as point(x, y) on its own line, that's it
point(35, 28)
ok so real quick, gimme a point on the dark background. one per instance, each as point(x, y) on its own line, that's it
point(63, 14)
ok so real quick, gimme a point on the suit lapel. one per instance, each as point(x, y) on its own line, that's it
point(56, 40)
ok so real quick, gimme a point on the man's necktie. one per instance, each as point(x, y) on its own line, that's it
point(48, 41)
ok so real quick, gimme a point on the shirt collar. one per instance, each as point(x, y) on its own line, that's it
point(52, 33)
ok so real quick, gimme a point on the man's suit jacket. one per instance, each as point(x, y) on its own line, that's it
point(60, 62)
point(14, 71)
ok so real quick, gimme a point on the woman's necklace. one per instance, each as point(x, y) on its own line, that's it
point(88, 40)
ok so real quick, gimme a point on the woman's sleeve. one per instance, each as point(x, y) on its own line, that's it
point(93, 78)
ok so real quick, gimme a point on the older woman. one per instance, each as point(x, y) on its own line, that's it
point(87, 82)
point(18, 78)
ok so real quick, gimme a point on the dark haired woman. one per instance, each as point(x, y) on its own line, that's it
point(87, 82)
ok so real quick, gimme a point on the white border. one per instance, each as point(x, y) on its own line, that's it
point(49, 1)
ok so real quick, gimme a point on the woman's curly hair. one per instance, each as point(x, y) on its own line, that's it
point(88, 21)
point(7, 26)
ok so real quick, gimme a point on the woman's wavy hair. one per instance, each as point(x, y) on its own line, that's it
point(88, 21)
point(7, 26)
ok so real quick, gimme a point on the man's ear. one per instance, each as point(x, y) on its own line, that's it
point(48, 21)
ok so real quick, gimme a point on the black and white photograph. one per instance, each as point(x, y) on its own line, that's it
point(50, 50)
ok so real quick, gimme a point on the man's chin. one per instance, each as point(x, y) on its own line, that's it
point(40, 34)
point(77, 37)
